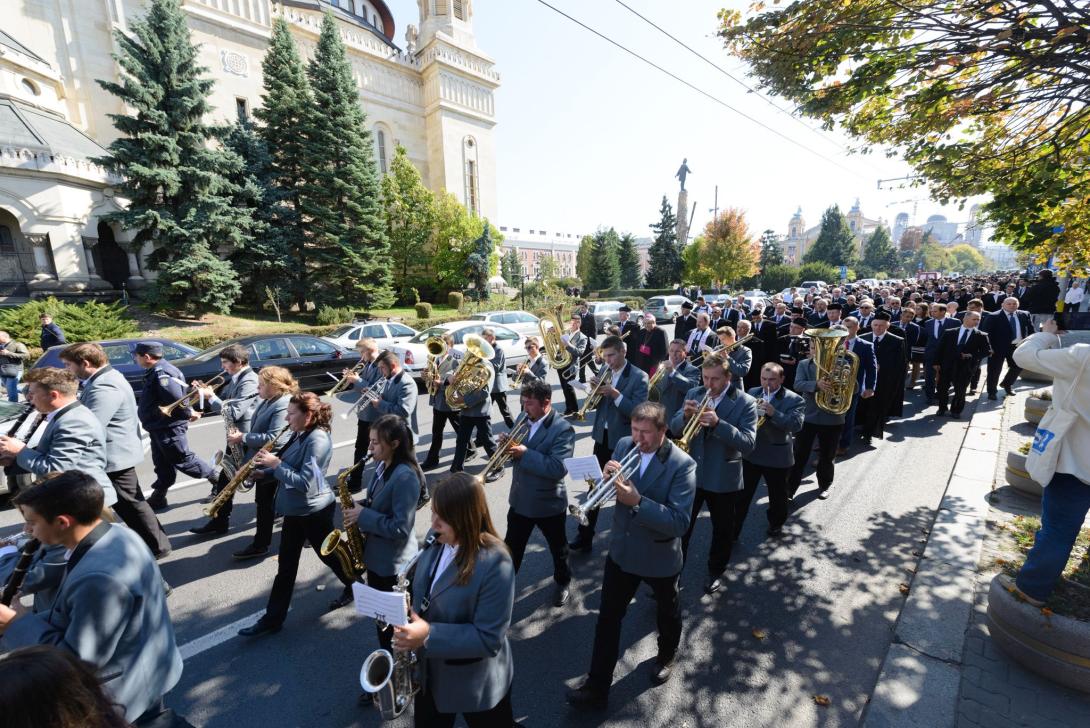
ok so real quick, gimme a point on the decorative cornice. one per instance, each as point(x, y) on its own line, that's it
point(440, 50)
point(55, 164)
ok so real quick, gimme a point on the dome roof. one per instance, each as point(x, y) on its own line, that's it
point(937, 218)
point(386, 18)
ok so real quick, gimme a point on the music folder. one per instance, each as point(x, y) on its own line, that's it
point(582, 469)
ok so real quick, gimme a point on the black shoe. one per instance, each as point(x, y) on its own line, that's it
point(585, 696)
point(941, 412)
point(775, 532)
point(992, 396)
point(868, 444)
point(823, 493)
point(454, 470)
point(711, 586)
point(493, 476)
point(561, 595)
point(251, 552)
point(579, 547)
point(343, 600)
point(163, 554)
point(955, 415)
point(259, 627)
point(661, 671)
point(158, 500)
point(429, 464)
point(209, 498)
point(1009, 390)
point(212, 527)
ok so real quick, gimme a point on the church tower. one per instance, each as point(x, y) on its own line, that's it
point(796, 233)
point(460, 111)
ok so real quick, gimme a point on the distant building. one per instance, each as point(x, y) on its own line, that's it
point(974, 231)
point(946, 233)
point(800, 238)
point(533, 245)
point(900, 224)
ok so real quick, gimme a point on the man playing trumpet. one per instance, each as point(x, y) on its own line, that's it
point(365, 413)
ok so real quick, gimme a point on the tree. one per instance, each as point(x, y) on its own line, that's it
point(835, 243)
point(452, 242)
point(547, 268)
point(967, 259)
point(664, 257)
point(511, 268)
point(816, 272)
point(628, 260)
point(979, 96)
point(349, 261)
point(725, 253)
point(604, 272)
point(409, 208)
point(695, 273)
point(778, 277)
point(177, 179)
point(771, 250)
point(879, 253)
point(582, 258)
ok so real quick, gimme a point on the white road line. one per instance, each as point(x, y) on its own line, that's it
point(214, 639)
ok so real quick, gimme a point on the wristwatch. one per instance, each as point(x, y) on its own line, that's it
point(636, 508)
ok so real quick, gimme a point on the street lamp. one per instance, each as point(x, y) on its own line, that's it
point(524, 277)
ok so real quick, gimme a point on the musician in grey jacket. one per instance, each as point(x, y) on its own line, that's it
point(236, 401)
point(442, 413)
point(773, 455)
point(499, 384)
point(654, 504)
point(73, 439)
point(581, 349)
point(111, 608)
point(535, 368)
point(680, 376)
point(538, 497)
point(739, 359)
point(399, 396)
point(475, 416)
point(108, 395)
point(726, 433)
point(361, 381)
point(463, 596)
point(818, 424)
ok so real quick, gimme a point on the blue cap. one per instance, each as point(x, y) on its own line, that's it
point(154, 348)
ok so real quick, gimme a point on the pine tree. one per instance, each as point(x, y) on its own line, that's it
point(628, 260)
point(835, 244)
point(604, 272)
point(285, 105)
point(410, 219)
point(349, 261)
point(664, 256)
point(176, 177)
point(879, 255)
point(771, 250)
point(511, 268)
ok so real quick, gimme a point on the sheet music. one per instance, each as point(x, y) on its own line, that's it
point(580, 469)
point(388, 607)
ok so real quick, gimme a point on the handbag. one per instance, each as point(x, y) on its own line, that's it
point(1047, 440)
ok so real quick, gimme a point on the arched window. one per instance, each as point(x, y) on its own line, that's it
point(471, 174)
point(380, 149)
point(7, 241)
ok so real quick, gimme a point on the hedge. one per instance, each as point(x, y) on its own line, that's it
point(91, 321)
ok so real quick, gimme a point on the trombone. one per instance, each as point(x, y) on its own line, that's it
point(217, 381)
point(605, 488)
point(721, 349)
point(693, 423)
point(499, 459)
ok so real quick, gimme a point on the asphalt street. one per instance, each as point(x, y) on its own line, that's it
point(809, 615)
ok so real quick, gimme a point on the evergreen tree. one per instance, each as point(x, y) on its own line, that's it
point(175, 176)
point(582, 259)
point(285, 105)
point(771, 250)
point(879, 255)
point(835, 244)
point(511, 269)
point(664, 256)
point(604, 272)
point(547, 269)
point(349, 261)
point(628, 260)
point(410, 220)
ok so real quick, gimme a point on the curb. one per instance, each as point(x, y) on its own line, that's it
point(920, 679)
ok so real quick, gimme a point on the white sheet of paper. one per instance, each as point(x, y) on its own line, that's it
point(579, 469)
point(388, 607)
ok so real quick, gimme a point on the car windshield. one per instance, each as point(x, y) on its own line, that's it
point(479, 317)
point(210, 354)
point(340, 331)
point(427, 334)
point(656, 302)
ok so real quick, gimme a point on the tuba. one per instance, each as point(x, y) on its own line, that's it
point(836, 365)
point(472, 374)
point(552, 345)
point(436, 348)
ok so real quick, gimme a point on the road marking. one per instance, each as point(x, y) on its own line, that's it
point(214, 639)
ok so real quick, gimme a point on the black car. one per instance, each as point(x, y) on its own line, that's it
point(310, 360)
point(119, 352)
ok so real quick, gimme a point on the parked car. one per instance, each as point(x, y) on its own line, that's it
point(119, 352)
point(385, 333)
point(607, 313)
point(523, 322)
point(414, 353)
point(315, 363)
point(805, 286)
point(665, 308)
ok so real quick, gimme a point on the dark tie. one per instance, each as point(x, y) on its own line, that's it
point(1014, 326)
point(961, 339)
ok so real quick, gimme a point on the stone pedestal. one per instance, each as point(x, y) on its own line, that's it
point(683, 217)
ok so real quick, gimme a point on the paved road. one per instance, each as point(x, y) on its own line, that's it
point(824, 599)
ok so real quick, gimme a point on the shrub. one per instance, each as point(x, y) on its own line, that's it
point(332, 316)
point(91, 321)
point(423, 310)
point(408, 296)
point(455, 299)
point(775, 278)
point(636, 304)
point(817, 272)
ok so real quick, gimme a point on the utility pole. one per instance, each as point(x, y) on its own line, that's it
point(715, 210)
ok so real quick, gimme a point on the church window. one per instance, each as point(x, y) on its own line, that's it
point(441, 7)
point(471, 181)
point(242, 108)
point(380, 144)
point(7, 242)
point(31, 87)
point(459, 9)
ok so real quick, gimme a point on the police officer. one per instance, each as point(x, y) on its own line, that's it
point(164, 384)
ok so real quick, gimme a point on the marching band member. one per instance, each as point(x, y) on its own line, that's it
point(441, 411)
point(726, 434)
point(739, 360)
point(535, 367)
point(399, 396)
point(679, 378)
point(499, 383)
point(588, 326)
point(790, 351)
point(538, 497)
point(387, 515)
point(108, 395)
point(305, 500)
point(275, 387)
point(817, 424)
point(475, 416)
point(463, 596)
point(628, 330)
point(773, 452)
point(577, 343)
point(756, 347)
point(239, 399)
point(652, 514)
point(365, 414)
point(626, 388)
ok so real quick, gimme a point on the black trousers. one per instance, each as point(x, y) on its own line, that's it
point(519, 529)
point(776, 480)
point(386, 584)
point(363, 442)
point(426, 715)
point(827, 436)
point(585, 534)
point(136, 513)
point(170, 452)
point(721, 507)
point(466, 426)
point(313, 527)
point(571, 401)
point(439, 422)
point(500, 398)
point(587, 360)
point(618, 588)
point(265, 500)
point(958, 381)
point(995, 365)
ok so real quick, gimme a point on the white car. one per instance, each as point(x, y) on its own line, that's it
point(665, 308)
point(386, 333)
point(414, 354)
point(521, 321)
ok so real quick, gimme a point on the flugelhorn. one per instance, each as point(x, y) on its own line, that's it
point(342, 383)
point(367, 396)
point(185, 401)
point(594, 396)
point(605, 488)
point(515, 437)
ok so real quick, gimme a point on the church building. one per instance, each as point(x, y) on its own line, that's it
point(800, 238)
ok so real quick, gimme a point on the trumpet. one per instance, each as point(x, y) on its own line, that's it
point(367, 396)
point(605, 488)
point(762, 417)
point(188, 397)
point(343, 383)
point(594, 396)
point(660, 372)
point(516, 383)
point(722, 349)
point(515, 437)
point(436, 348)
point(693, 424)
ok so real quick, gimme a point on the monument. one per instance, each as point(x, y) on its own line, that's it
point(683, 204)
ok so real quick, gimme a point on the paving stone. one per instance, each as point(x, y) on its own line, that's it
point(987, 439)
point(993, 700)
point(975, 465)
point(914, 690)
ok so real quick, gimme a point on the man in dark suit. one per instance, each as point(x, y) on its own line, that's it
point(912, 333)
point(994, 299)
point(889, 390)
point(685, 323)
point(959, 351)
point(589, 328)
point(865, 379)
point(933, 329)
point(790, 352)
point(767, 332)
point(819, 316)
point(1005, 329)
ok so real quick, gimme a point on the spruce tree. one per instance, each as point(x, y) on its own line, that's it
point(628, 260)
point(664, 256)
point(341, 201)
point(582, 259)
point(879, 255)
point(835, 243)
point(511, 269)
point(284, 111)
point(604, 272)
point(176, 176)
point(771, 250)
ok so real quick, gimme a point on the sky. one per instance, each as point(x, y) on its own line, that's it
point(589, 136)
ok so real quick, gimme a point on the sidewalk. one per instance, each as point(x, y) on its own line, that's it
point(942, 668)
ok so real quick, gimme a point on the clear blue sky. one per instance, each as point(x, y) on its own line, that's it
point(589, 136)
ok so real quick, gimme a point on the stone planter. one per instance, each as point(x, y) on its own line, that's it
point(1035, 408)
point(1032, 376)
point(1017, 476)
point(1055, 647)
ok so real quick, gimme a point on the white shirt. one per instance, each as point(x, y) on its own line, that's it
point(645, 460)
point(1073, 295)
point(613, 383)
point(534, 426)
point(445, 559)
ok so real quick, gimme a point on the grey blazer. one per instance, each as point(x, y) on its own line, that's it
point(301, 492)
point(267, 419)
point(739, 362)
point(537, 480)
point(613, 417)
point(479, 403)
point(577, 344)
point(538, 370)
point(806, 385)
point(389, 519)
point(399, 398)
point(673, 386)
point(467, 665)
point(775, 441)
point(110, 397)
point(368, 376)
point(73, 440)
point(124, 630)
point(499, 366)
point(648, 543)
point(450, 364)
point(718, 450)
point(237, 399)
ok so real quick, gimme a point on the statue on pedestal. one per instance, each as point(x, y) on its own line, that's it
point(682, 172)
point(412, 37)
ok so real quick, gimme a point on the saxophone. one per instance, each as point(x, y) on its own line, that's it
point(242, 477)
point(348, 551)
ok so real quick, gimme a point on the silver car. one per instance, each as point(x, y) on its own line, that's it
point(607, 313)
point(521, 321)
point(666, 308)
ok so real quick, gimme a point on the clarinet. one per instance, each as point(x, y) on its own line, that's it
point(16, 581)
point(14, 431)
